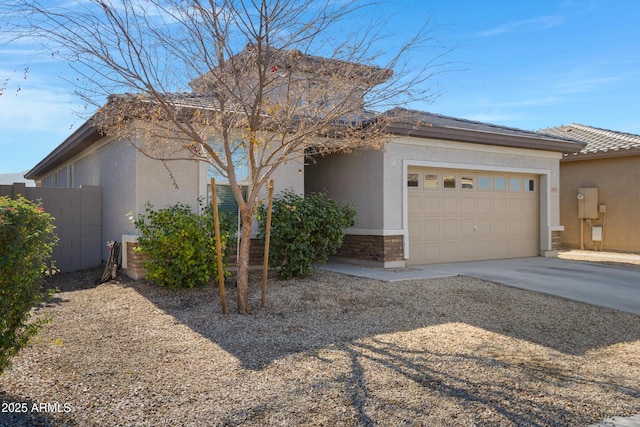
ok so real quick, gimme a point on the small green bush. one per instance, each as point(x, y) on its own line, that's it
point(304, 231)
point(26, 244)
point(180, 245)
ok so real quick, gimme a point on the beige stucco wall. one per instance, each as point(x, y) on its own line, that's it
point(355, 179)
point(110, 165)
point(163, 186)
point(287, 176)
point(617, 181)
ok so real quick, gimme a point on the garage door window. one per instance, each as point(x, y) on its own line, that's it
point(514, 185)
point(412, 180)
point(449, 182)
point(431, 181)
point(499, 184)
point(529, 185)
point(467, 182)
point(484, 183)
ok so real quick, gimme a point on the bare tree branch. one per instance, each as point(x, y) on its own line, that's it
point(208, 80)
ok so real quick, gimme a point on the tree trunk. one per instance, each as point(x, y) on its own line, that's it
point(243, 262)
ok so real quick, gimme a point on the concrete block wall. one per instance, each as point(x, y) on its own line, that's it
point(78, 222)
point(90, 226)
point(14, 190)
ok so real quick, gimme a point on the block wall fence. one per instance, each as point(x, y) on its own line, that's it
point(78, 222)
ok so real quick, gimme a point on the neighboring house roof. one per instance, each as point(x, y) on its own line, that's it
point(15, 178)
point(429, 125)
point(599, 142)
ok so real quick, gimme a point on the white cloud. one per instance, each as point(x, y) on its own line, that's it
point(498, 117)
point(534, 24)
point(571, 85)
point(29, 108)
point(526, 102)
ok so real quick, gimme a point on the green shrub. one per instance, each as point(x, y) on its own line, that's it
point(26, 244)
point(180, 245)
point(304, 231)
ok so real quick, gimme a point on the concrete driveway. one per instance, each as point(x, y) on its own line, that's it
point(598, 284)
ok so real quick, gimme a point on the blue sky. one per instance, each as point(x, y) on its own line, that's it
point(525, 64)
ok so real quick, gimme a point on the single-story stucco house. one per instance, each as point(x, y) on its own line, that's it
point(443, 189)
point(608, 168)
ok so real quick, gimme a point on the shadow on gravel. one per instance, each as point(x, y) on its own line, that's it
point(357, 320)
point(505, 401)
point(16, 412)
point(352, 317)
point(75, 280)
point(330, 308)
point(71, 282)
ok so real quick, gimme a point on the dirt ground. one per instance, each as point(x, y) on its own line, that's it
point(328, 350)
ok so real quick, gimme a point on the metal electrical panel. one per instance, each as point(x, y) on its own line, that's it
point(588, 203)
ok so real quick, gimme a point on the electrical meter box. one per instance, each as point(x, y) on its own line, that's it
point(596, 233)
point(588, 203)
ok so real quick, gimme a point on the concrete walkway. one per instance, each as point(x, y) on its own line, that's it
point(632, 421)
point(597, 284)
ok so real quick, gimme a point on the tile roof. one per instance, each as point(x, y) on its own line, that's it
point(600, 142)
point(281, 60)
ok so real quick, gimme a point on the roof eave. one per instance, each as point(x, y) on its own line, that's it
point(82, 138)
point(484, 137)
point(623, 152)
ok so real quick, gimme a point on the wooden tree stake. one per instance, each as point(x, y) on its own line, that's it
point(216, 225)
point(265, 265)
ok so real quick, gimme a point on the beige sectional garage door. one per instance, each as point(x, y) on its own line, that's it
point(458, 215)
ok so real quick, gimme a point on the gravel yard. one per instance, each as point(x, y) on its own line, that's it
point(330, 350)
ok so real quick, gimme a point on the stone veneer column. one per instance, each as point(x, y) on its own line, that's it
point(556, 240)
point(378, 249)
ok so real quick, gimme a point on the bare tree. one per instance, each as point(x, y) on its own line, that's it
point(267, 81)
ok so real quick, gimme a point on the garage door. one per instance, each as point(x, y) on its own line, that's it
point(459, 215)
